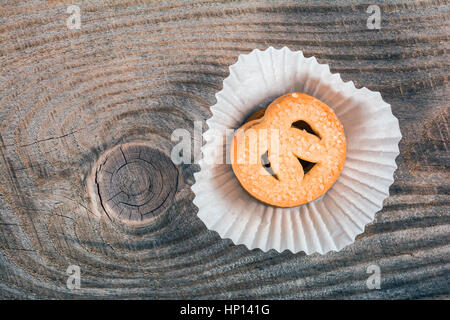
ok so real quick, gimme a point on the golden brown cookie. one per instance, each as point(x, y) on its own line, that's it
point(291, 153)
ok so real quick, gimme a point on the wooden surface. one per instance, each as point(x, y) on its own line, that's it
point(135, 72)
point(133, 183)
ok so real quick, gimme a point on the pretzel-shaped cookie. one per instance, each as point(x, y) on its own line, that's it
point(266, 152)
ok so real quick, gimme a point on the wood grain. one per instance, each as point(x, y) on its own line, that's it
point(136, 71)
point(133, 183)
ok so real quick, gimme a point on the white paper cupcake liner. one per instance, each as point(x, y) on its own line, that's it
point(330, 222)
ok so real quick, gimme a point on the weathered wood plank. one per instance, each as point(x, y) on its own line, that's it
point(137, 70)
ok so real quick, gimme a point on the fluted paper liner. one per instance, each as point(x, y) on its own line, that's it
point(330, 222)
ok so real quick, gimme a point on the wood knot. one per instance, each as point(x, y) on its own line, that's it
point(134, 183)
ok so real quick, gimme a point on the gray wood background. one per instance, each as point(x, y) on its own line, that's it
point(138, 70)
